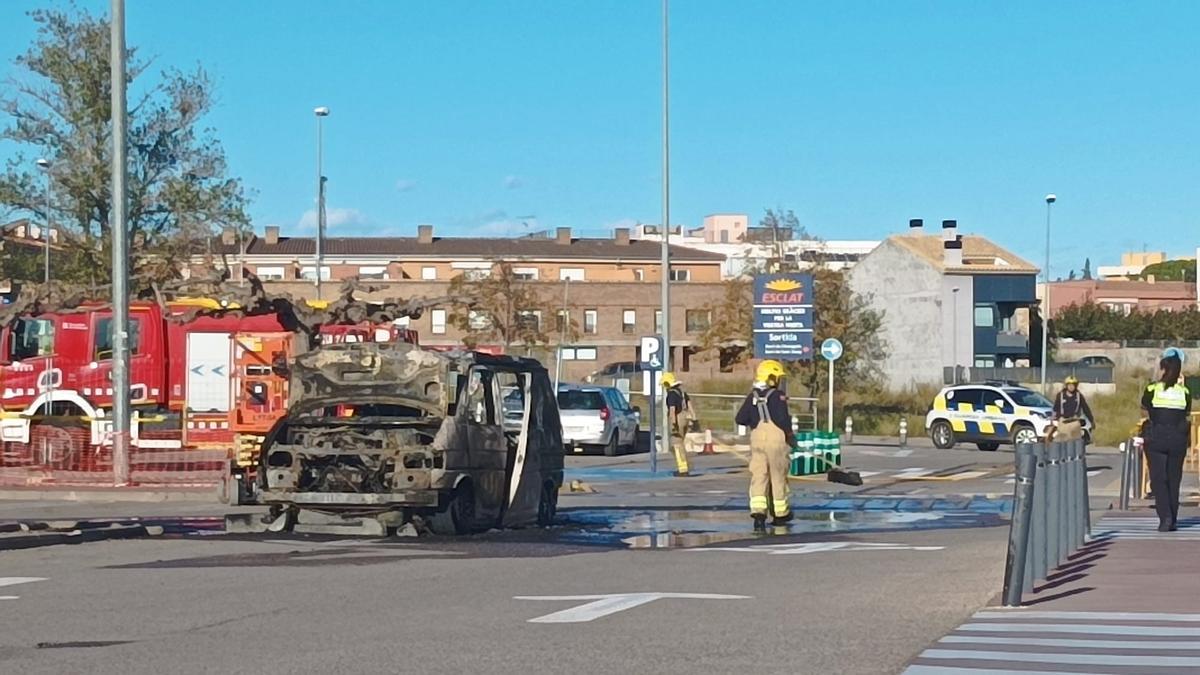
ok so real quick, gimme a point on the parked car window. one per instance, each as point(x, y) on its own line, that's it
point(1029, 398)
point(575, 399)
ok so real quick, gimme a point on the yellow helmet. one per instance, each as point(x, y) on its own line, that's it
point(668, 380)
point(769, 369)
point(1071, 379)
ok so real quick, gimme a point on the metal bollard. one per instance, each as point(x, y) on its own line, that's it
point(1069, 495)
point(1041, 503)
point(1064, 503)
point(1018, 533)
point(1085, 496)
point(1052, 507)
point(849, 429)
point(903, 432)
point(795, 425)
point(1074, 526)
point(1123, 498)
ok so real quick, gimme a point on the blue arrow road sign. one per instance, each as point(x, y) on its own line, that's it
point(831, 349)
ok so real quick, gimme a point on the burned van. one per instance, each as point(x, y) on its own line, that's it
point(460, 441)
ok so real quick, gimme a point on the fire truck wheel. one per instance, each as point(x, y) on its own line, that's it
point(459, 515)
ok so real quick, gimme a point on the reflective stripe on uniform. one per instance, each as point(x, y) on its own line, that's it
point(782, 507)
point(758, 504)
point(1169, 398)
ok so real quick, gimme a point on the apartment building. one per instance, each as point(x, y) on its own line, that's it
point(611, 286)
point(1123, 295)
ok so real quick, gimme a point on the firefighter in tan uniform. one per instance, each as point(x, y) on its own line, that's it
point(679, 412)
point(765, 412)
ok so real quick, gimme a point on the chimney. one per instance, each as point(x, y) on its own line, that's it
point(916, 224)
point(272, 235)
point(563, 235)
point(228, 236)
point(424, 234)
point(953, 251)
point(949, 230)
point(621, 235)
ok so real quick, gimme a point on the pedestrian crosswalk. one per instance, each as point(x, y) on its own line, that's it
point(1000, 641)
point(1145, 527)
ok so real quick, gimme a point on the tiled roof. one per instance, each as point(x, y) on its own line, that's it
point(1120, 288)
point(468, 247)
point(980, 254)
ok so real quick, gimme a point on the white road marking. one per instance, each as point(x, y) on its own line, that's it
point(1162, 631)
point(13, 581)
point(604, 605)
point(1088, 644)
point(1141, 660)
point(818, 547)
point(1082, 616)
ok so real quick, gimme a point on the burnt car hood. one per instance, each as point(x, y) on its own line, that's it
point(369, 372)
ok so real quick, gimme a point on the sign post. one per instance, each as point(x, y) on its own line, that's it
point(831, 349)
point(651, 355)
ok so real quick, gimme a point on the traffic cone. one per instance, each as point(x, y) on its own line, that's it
point(708, 443)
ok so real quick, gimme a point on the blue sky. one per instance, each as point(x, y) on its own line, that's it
point(858, 115)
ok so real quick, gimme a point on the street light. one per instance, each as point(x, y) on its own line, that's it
point(666, 223)
point(954, 331)
point(1050, 199)
point(44, 165)
point(320, 112)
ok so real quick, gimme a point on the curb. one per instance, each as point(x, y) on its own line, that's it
point(39, 535)
point(114, 495)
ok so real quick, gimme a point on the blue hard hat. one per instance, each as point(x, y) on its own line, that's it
point(1174, 352)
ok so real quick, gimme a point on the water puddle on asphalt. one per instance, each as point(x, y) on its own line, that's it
point(642, 528)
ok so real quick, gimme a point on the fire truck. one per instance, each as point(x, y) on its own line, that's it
point(205, 387)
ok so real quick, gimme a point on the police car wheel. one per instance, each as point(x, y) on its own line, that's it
point(989, 446)
point(942, 435)
point(1024, 435)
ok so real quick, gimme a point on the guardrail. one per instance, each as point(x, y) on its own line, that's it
point(1051, 515)
point(716, 411)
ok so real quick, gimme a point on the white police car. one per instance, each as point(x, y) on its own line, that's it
point(988, 414)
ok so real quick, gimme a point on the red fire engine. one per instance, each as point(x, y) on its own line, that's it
point(204, 389)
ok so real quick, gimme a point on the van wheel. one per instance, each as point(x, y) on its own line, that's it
point(548, 505)
point(990, 446)
point(459, 515)
point(1024, 435)
point(613, 446)
point(942, 435)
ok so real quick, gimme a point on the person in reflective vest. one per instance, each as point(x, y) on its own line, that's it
point(679, 411)
point(1167, 407)
point(765, 412)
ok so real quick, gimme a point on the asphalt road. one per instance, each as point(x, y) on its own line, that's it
point(841, 591)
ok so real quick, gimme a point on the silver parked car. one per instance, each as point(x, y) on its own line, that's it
point(597, 417)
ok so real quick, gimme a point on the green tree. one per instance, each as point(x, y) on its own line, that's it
point(60, 109)
point(502, 308)
point(1087, 269)
point(1171, 270)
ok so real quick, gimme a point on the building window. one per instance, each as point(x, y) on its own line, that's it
point(698, 320)
point(530, 319)
point(373, 272)
point(270, 273)
point(309, 273)
point(589, 321)
point(985, 362)
point(579, 354)
point(658, 327)
point(570, 274)
point(681, 275)
point(429, 273)
point(562, 319)
point(639, 274)
point(437, 321)
point(525, 273)
point(724, 236)
point(628, 321)
point(478, 320)
point(985, 316)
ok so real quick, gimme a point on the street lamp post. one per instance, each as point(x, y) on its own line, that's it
point(321, 113)
point(44, 165)
point(666, 219)
point(954, 331)
point(1050, 199)
point(119, 230)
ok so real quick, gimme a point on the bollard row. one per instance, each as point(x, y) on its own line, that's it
point(1051, 514)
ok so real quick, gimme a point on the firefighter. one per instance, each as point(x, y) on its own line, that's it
point(1167, 405)
point(1071, 406)
point(679, 419)
point(765, 412)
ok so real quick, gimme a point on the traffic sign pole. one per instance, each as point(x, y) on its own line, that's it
point(652, 362)
point(831, 395)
